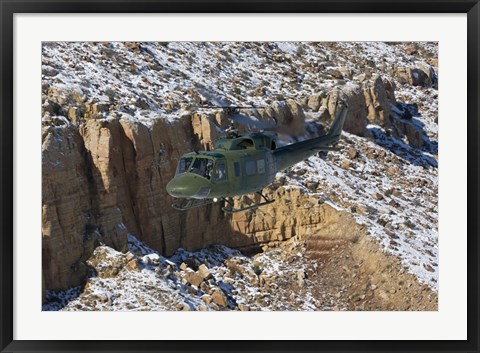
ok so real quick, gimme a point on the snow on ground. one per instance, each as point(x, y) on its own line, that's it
point(168, 79)
point(262, 282)
point(386, 185)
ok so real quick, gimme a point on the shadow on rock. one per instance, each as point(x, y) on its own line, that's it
point(57, 300)
point(417, 156)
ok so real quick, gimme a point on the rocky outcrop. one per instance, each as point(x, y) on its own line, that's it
point(356, 122)
point(367, 103)
point(204, 131)
point(412, 132)
point(288, 116)
point(377, 102)
point(421, 74)
point(276, 222)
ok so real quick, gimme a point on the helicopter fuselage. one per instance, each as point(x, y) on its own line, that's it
point(235, 167)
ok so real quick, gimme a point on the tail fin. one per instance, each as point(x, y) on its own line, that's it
point(288, 155)
point(337, 125)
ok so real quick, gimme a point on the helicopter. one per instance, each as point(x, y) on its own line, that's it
point(243, 164)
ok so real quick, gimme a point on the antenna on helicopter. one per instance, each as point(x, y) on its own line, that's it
point(231, 131)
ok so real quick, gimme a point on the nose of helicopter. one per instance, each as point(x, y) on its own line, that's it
point(175, 190)
point(188, 186)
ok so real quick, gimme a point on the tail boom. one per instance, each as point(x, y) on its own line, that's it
point(289, 155)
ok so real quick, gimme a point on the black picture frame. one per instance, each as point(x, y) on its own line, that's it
point(9, 7)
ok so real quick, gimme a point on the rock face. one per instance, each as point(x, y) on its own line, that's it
point(65, 190)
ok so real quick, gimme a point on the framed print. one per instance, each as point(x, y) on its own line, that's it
point(246, 175)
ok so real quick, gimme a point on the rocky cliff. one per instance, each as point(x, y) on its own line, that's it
point(337, 268)
point(116, 117)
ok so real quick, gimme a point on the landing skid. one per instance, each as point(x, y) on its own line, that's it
point(188, 204)
point(235, 210)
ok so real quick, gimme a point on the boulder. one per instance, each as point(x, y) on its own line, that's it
point(219, 298)
point(133, 265)
point(106, 262)
point(204, 272)
point(243, 307)
point(413, 132)
point(421, 74)
point(314, 102)
point(432, 80)
point(193, 278)
point(206, 298)
point(289, 116)
point(352, 153)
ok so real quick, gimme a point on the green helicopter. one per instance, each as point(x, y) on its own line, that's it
point(243, 164)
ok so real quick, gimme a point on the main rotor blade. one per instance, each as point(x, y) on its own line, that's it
point(218, 101)
point(251, 121)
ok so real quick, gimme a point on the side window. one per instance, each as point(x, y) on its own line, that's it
point(250, 167)
point(236, 166)
point(220, 171)
point(261, 166)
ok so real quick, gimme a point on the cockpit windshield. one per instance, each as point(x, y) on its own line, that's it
point(199, 165)
point(184, 164)
point(209, 168)
point(202, 166)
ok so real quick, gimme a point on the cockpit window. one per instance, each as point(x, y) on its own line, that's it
point(184, 164)
point(202, 166)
